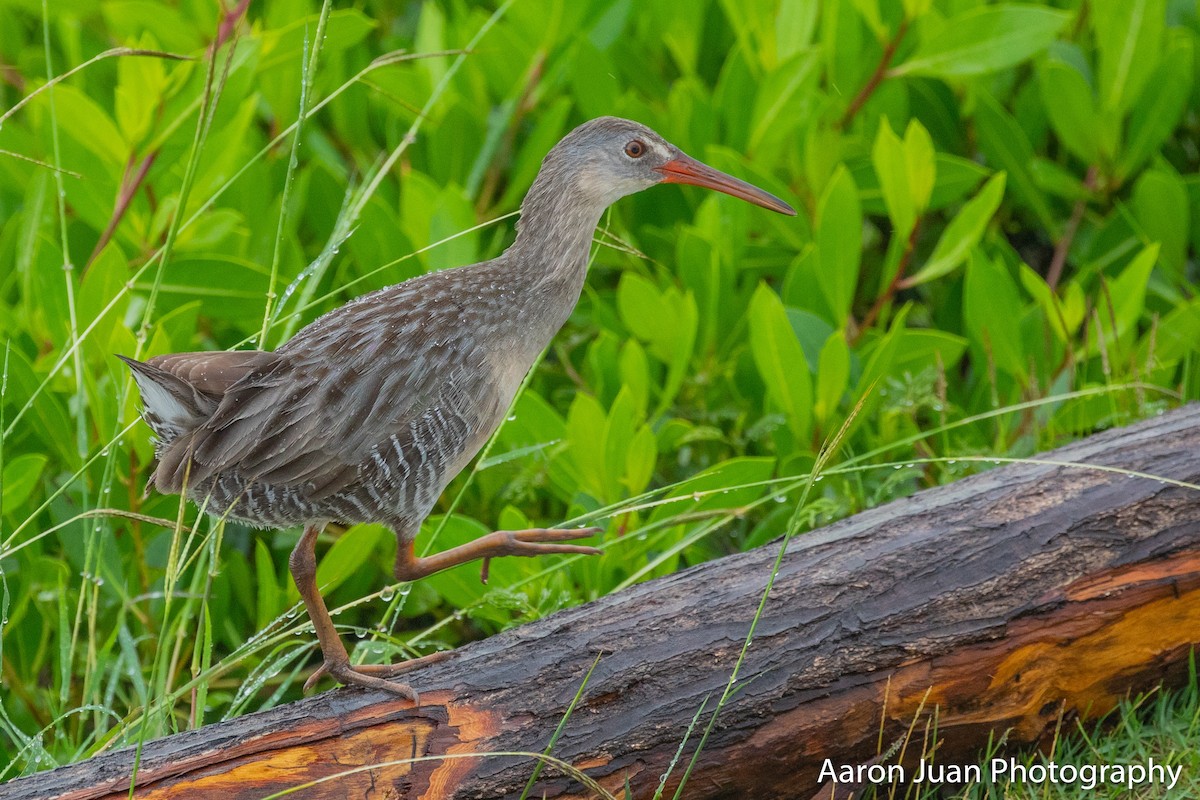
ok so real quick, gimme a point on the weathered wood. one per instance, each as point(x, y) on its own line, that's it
point(996, 601)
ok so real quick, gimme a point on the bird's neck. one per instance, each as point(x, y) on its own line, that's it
point(554, 236)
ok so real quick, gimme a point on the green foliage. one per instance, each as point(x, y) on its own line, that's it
point(998, 208)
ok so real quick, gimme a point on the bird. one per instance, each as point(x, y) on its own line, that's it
point(368, 412)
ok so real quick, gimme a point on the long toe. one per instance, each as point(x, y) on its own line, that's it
point(581, 549)
point(352, 676)
point(382, 670)
point(391, 670)
point(544, 541)
point(554, 534)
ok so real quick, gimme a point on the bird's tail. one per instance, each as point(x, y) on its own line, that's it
point(170, 405)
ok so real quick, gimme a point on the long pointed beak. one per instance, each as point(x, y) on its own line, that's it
point(685, 169)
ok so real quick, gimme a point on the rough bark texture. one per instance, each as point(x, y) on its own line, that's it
point(996, 602)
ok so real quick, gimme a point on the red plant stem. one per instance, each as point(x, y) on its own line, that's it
point(885, 61)
point(229, 21)
point(1063, 245)
point(129, 188)
point(896, 284)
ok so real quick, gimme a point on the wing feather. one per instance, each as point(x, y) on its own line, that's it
point(308, 418)
point(399, 362)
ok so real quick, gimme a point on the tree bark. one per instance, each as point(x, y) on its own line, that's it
point(996, 604)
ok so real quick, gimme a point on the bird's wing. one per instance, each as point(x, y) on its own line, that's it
point(181, 391)
point(314, 418)
point(212, 373)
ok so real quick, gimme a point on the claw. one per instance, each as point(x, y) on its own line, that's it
point(351, 676)
point(366, 674)
point(539, 541)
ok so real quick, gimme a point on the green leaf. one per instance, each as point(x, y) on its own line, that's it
point(1128, 291)
point(880, 357)
point(963, 232)
point(992, 309)
point(640, 456)
point(45, 417)
point(983, 39)
point(701, 269)
point(812, 331)
point(345, 28)
point(666, 321)
point(888, 157)
point(1129, 38)
point(634, 369)
point(925, 349)
point(102, 283)
point(1176, 336)
point(780, 361)
point(721, 486)
point(1160, 205)
point(638, 302)
point(513, 455)
point(20, 477)
point(131, 19)
point(140, 84)
point(1067, 97)
point(920, 164)
point(774, 115)
point(955, 177)
point(82, 119)
point(460, 585)
point(435, 213)
point(839, 242)
point(906, 172)
point(353, 548)
point(585, 435)
point(1054, 179)
point(629, 448)
point(1052, 307)
point(270, 601)
point(1156, 113)
point(794, 27)
point(833, 376)
point(1007, 147)
point(869, 9)
point(842, 44)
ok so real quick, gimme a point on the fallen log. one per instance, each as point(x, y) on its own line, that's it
point(996, 603)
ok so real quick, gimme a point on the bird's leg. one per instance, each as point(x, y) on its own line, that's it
point(303, 562)
point(535, 542)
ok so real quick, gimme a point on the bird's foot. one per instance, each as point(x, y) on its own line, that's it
point(375, 676)
point(539, 542)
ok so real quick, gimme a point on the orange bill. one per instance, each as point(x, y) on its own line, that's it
point(685, 169)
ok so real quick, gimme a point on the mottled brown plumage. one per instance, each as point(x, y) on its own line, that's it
point(367, 413)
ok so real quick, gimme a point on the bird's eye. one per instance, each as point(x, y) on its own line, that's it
point(635, 149)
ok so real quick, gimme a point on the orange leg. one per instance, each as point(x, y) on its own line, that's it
point(303, 562)
point(536, 542)
point(409, 567)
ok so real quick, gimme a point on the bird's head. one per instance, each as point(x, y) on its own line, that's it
point(609, 158)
